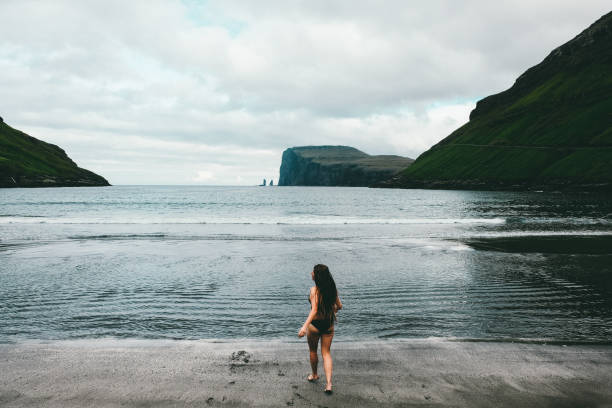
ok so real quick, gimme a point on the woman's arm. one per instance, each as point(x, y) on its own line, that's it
point(311, 315)
point(338, 303)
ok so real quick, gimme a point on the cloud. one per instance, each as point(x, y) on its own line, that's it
point(129, 87)
point(204, 176)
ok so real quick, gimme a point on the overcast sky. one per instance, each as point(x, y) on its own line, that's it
point(212, 92)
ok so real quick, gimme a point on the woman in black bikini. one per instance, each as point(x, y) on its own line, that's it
point(324, 303)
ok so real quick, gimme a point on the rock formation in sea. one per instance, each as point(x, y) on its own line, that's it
point(551, 130)
point(28, 162)
point(336, 166)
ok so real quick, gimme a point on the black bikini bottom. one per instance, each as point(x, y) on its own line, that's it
point(322, 326)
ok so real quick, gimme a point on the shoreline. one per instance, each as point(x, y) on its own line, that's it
point(294, 340)
point(237, 373)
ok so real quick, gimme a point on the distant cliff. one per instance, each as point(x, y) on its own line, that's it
point(551, 130)
point(28, 162)
point(336, 166)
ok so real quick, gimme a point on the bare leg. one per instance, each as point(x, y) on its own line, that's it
point(326, 341)
point(313, 344)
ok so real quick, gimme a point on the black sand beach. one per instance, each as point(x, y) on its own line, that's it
point(424, 373)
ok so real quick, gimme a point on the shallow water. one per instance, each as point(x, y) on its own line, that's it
point(234, 262)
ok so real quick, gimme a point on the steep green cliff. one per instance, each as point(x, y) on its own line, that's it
point(28, 162)
point(552, 129)
point(336, 166)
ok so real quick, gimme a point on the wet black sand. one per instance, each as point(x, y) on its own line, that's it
point(424, 373)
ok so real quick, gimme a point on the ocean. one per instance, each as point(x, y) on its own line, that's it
point(199, 262)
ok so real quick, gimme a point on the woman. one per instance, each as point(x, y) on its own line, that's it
point(324, 303)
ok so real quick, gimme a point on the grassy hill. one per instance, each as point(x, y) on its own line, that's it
point(552, 129)
point(336, 166)
point(28, 162)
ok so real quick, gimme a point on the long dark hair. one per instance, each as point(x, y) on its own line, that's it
point(326, 292)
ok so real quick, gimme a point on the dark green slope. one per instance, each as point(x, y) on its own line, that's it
point(551, 129)
point(28, 162)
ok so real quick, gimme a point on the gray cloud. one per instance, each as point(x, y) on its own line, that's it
point(116, 83)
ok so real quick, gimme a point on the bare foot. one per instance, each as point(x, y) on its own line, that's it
point(312, 377)
point(328, 389)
